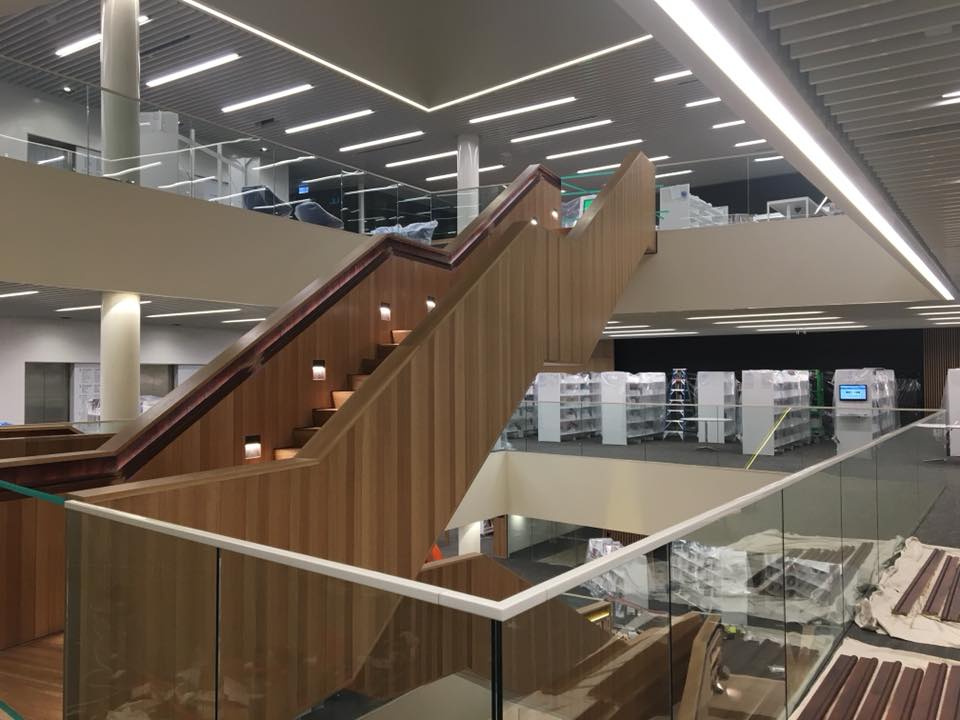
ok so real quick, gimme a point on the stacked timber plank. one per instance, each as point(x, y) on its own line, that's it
point(939, 579)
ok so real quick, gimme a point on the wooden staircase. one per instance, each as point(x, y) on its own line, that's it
point(303, 435)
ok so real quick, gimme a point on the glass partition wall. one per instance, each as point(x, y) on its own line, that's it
point(730, 613)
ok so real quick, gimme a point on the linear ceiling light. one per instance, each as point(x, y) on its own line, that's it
point(369, 83)
point(777, 320)
point(267, 98)
point(754, 315)
point(284, 162)
point(58, 158)
point(234, 195)
point(244, 320)
point(373, 189)
point(382, 141)
point(658, 158)
point(186, 182)
point(424, 158)
point(521, 110)
point(92, 307)
point(596, 148)
point(673, 75)
point(329, 177)
point(121, 173)
point(732, 123)
point(691, 20)
point(196, 312)
point(705, 101)
point(328, 121)
point(560, 131)
point(20, 293)
point(614, 166)
point(447, 176)
point(931, 307)
point(770, 158)
point(940, 312)
point(193, 69)
point(90, 41)
point(812, 328)
point(619, 327)
point(627, 330)
point(951, 101)
point(673, 174)
point(952, 322)
point(656, 335)
point(748, 143)
point(943, 317)
point(798, 324)
point(955, 93)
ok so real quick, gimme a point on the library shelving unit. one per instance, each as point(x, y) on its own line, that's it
point(675, 424)
point(857, 422)
point(716, 405)
point(632, 405)
point(765, 395)
point(523, 423)
point(568, 406)
point(679, 208)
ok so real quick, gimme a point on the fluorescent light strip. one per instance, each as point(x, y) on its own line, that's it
point(521, 110)
point(931, 307)
point(20, 293)
point(770, 159)
point(951, 101)
point(235, 195)
point(620, 331)
point(776, 320)
point(186, 182)
point(618, 328)
point(942, 312)
point(596, 148)
point(657, 335)
point(424, 158)
point(58, 158)
point(673, 76)
point(267, 98)
point(755, 315)
point(343, 71)
point(373, 189)
point(944, 317)
point(328, 121)
point(244, 320)
point(813, 328)
point(447, 176)
point(90, 41)
point(330, 177)
point(673, 174)
point(842, 323)
point(599, 168)
point(691, 20)
point(732, 123)
point(658, 158)
point(93, 307)
point(955, 93)
point(382, 141)
point(748, 143)
point(613, 322)
point(284, 162)
point(121, 173)
point(415, 199)
point(196, 312)
point(193, 69)
point(820, 206)
point(952, 322)
point(560, 131)
point(705, 101)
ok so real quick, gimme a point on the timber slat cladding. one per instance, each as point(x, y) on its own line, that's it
point(951, 608)
point(930, 693)
point(942, 590)
point(881, 690)
point(919, 584)
point(853, 689)
point(951, 696)
point(905, 696)
point(829, 689)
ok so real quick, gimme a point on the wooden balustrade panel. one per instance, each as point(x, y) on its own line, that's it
point(31, 571)
point(52, 444)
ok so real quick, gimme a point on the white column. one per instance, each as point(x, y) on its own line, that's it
point(468, 178)
point(119, 356)
point(120, 73)
point(468, 538)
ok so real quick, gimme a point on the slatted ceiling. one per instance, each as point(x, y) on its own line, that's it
point(878, 66)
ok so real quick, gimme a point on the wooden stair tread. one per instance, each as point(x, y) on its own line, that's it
point(321, 415)
point(357, 379)
point(399, 336)
point(340, 397)
point(285, 453)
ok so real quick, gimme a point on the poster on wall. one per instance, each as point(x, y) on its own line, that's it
point(85, 392)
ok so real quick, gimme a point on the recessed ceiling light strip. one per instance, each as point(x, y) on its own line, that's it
point(691, 21)
point(383, 141)
point(280, 163)
point(424, 158)
point(673, 76)
point(674, 173)
point(811, 328)
point(777, 320)
point(127, 171)
point(521, 110)
point(196, 312)
point(560, 131)
point(732, 123)
point(193, 69)
point(447, 176)
point(328, 121)
point(296, 89)
point(597, 148)
point(769, 158)
point(19, 293)
point(705, 101)
point(90, 41)
point(186, 182)
point(748, 143)
point(756, 315)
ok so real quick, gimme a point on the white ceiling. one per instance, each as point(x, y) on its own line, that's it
point(618, 86)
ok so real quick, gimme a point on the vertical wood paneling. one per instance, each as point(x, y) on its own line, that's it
point(941, 351)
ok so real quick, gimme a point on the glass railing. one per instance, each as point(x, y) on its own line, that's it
point(203, 160)
point(784, 438)
point(744, 188)
point(731, 613)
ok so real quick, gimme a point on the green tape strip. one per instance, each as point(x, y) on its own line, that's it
point(14, 715)
point(30, 492)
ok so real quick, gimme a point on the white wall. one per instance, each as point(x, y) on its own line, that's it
point(69, 341)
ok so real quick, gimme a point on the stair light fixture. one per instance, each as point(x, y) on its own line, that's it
point(319, 370)
point(560, 131)
point(90, 41)
point(521, 110)
point(534, 221)
point(690, 20)
point(267, 98)
point(385, 312)
point(193, 69)
point(328, 121)
point(382, 141)
point(596, 148)
point(431, 302)
point(673, 76)
point(252, 448)
point(554, 214)
point(51, 160)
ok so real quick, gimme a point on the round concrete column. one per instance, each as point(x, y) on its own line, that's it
point(468, 179)
point(120, 97)
point(119, 356)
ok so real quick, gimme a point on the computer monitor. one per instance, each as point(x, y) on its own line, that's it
point(853, 392)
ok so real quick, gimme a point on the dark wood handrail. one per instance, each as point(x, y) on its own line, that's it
point(145, 436)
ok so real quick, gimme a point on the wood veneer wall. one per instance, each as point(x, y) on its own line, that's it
point(941, 351)
point(31, 445)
